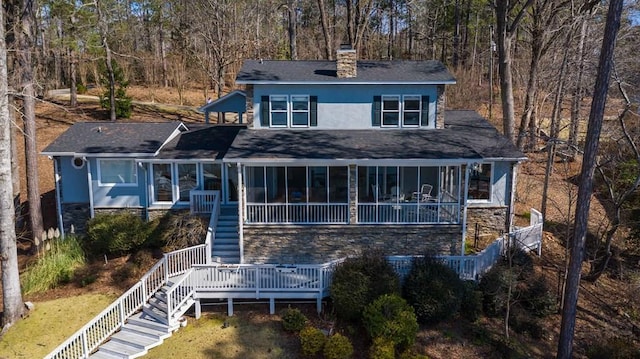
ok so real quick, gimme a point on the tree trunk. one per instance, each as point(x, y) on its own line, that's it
point(73, 94)
point(325, 31)
point(578, 91)
point(11, 294)
point(110, 73)
point(293, 23)
point(585, 189)
point(25, 41)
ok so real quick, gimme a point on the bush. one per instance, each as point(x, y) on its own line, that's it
point(382, 349)
point(55, 267)
point(293, 320)
point(471, 306)
point(538, 298)
point(81, 89)
point(122, 101)
point(312, 341)
point(338, 347)
point(116, 234)
point(177, 231)
point(359, 281)
point(391, 318)
point(411, 355)
point(434, 290)
point(616, 347)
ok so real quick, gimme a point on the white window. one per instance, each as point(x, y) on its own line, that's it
point(117, 172)
point(299, 111)
point(162, 182)
point(480, 182)
point(390, 111)
point(411, 111)
point(279, 110)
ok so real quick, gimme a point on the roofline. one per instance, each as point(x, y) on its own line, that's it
point(266, 82)
point(347, 161)
point(96, 155)
point(223, 98)
point(174, 134)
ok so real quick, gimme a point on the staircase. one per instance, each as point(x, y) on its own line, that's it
point(143, 330)
point(226, 246)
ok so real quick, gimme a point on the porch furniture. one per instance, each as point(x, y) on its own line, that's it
point(425, 193)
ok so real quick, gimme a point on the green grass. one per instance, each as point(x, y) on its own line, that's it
point(49, 324)
point(56, 266)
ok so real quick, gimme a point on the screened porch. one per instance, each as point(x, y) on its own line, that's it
point(380, 194)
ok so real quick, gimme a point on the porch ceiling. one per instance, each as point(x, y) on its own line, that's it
point(467, 136)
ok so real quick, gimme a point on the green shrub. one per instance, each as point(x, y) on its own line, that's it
point(312, 341)
point(613, 348)
point(55, 267)
point(411, 355)
point(81, 89)
point(293, 320)
point(382, 349)
point(116, 234)
point(359, 281)
point(521, 321)
point(392, 319)
point(538, 298)
point(434, 290)
point(122, 101)
point(338, 347)
point(471, 306)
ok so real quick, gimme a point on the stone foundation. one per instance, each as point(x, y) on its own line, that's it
point(76, 215)
point(320, 244)
point(491, 223)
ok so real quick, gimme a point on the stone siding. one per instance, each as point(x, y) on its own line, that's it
point(346, 64)
point(491, 223)
point(248, 90)
point(140, 212)
point(440, 107)
point(319, 244)
point(158, 213)
point(76, 215)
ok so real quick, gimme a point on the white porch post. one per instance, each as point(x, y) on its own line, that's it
point(464, 206)
point(90, 182)
point(241, 211)
point(56, 174)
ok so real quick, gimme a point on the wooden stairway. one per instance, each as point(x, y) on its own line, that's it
point(143, 330)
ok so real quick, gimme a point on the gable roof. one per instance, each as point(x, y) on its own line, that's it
point(306, 72)
point(234, 101)
point(113, 138)
point(467, 136)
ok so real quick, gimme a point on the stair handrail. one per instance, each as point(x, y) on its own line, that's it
point(183, 289)
point(213, 222)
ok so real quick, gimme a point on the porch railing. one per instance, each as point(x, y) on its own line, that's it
point(331, 213)
point(408, 212)
point(202, 202)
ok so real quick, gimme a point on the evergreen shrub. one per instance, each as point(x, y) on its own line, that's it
point(338, 347)
point(116, 234)
point(391, 318)
point(293, 320)
point(312, 341)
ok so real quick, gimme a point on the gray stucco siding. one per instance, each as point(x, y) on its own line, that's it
point(74, 181)
point(345, 106)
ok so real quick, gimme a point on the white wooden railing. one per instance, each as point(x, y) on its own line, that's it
point(330, 213)
point(202, 202)
point(408, 212)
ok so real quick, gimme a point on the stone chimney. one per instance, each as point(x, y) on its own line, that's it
point(346, 62)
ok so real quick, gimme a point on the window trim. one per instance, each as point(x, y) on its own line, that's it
point(404, 110)
point(153, 193)
point(307, 111)
point(134, 168)
point(489, 189)
point(383, 111)
point(286, 111)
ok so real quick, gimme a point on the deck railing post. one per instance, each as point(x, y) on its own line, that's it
point(121, 309)
point(166, 267)
point(85, 345)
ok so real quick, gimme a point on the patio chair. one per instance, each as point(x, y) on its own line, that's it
point(425, 193)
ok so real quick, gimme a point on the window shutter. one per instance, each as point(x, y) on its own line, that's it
point(313, 111)
point(425, 111)
point(264, 111)
point(377, 109)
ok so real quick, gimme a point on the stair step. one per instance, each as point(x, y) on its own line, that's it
point(225, 241)
point(154, 312)
point(220, 229)
point(148, 332)
point(125, 350)
point(145, 320)
point(158, 303)
point(104, 355)
point(136, 340)
point(226, 235)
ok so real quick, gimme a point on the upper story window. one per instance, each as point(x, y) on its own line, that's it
point(288, 111)
point(117, 172)
point(400, 111)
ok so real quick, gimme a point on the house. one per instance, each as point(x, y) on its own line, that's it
point(335, 157)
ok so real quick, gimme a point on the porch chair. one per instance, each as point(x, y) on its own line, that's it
point(425, 193)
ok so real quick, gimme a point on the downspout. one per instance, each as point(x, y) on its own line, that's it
point(241, 211)
point(90, 180)
point(512, 196)
point(146, 191)
point(465, 204)
point(56, 174)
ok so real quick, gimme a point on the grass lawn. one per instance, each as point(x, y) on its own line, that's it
point(50, 324)
point(246, 335)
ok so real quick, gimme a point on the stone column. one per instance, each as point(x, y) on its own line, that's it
point(440, 107)
point(249, 114)
point(346, 63)
point(353, 195)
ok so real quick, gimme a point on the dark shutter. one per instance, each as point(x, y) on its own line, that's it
point(313, 111)
point(377, 111)
point(425, 111)
point(264, 111)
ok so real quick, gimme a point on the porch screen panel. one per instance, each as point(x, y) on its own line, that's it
point(212, 176)
point(338, 184)
point(255, 184)
point(366, 184)
point(275, 185)
point(430, 176)
point(162, 182)
point(408, 184)
point(297, 184)
point(187, 180)
point(232, 179)
point(318, 184)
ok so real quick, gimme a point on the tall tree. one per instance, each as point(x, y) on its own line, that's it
point(25, 44)
point(570, 304)
point(11, 294)
point(103, 25)
point(508, 13)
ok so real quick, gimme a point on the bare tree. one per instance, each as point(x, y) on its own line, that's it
point(570, 303)
point(104, 31)
point(11, 294)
